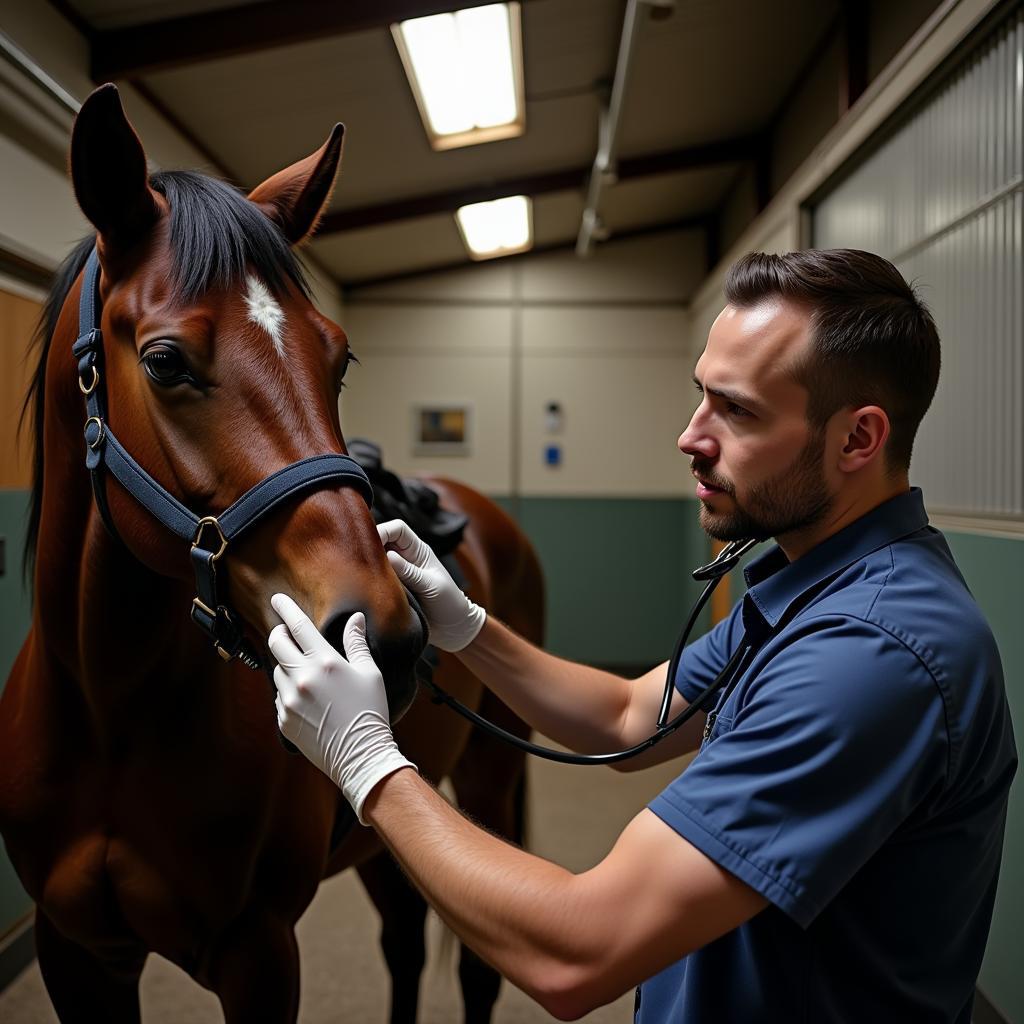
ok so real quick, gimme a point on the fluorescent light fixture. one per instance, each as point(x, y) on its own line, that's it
point(498, 228)
point(466, 72)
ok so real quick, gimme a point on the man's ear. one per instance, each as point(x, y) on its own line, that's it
point(296, 197)
point(866, 431)
point(108, 171)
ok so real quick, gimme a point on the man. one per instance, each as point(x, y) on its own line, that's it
point(832, 852)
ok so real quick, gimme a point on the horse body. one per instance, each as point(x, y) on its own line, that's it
point(146, 803)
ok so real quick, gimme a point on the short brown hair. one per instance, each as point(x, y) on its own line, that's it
point(873, 341)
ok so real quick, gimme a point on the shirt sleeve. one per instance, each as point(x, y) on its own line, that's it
point(703, 659)
point(813, 764)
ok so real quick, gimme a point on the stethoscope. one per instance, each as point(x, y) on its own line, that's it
point(713, 572)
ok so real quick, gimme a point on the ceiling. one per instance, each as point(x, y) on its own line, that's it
point(258, 85)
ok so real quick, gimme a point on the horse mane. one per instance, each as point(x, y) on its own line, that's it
point(216, 237)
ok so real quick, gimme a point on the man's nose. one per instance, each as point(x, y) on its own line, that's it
point(696, 439)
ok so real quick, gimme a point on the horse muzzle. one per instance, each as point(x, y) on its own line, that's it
point(395, 652)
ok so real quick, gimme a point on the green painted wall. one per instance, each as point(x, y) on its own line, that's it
point(993, 568)
point(617, 573)
point(15, 615)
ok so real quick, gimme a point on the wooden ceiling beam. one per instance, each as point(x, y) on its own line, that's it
point(723, 151)
point(174, 42)
point(352, 287)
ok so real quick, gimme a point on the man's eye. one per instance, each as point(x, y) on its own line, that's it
point(736, 410)
point(165, 366)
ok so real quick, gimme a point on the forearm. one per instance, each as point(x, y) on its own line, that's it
point(581, 707)
point(522, 914)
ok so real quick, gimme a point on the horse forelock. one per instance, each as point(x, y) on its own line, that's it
point(218, 238)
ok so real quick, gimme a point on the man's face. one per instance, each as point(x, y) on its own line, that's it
point(758, 463)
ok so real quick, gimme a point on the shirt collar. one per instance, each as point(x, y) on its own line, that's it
point(774, 583)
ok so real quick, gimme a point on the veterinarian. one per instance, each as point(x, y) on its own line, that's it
point(832, 852)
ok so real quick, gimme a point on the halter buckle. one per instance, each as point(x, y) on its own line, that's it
point(101, 430)
point(200, 526)
point(92, 384)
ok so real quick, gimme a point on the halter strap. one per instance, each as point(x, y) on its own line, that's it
point(104, 451)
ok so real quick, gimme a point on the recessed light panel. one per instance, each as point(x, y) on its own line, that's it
point(466, 72)
point(498, 228)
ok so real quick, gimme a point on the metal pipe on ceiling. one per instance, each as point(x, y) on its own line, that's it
point(604, 170)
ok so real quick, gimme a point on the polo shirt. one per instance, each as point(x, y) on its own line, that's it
point(856, 776)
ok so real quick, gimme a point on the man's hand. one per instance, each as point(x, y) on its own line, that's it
point(333, 708)
point(454, 620)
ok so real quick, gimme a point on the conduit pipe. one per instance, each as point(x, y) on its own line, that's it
point(604, 171)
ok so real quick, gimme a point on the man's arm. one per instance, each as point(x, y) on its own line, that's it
point(584, 708)
point(572, 942)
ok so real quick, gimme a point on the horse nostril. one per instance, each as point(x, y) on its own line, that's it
point(334, 630)
point(395, 652)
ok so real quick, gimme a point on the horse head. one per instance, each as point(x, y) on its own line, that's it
point(219, 371)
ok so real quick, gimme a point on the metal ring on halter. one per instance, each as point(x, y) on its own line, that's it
point(92, 387)
point(201, 525)
point(99, 436)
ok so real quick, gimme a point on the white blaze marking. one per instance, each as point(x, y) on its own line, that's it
point(264, 310)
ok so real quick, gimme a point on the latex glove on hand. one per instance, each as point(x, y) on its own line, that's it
point(333, 708)
point(453, 619)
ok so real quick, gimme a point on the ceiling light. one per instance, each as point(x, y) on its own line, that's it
point(466, 72)
point(498, 228)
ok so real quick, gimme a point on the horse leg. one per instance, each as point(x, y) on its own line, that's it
point(83, 988)
point(254, 970)
point(490, 783)
point(403, 914)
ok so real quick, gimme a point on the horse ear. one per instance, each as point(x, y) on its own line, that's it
point(296, 197)
point(108, 170)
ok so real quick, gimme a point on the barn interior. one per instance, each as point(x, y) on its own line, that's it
point(655, 142)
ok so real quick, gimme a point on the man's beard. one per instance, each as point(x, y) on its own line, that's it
point(793, 500)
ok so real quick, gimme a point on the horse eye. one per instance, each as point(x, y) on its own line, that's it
point(350, 358)
point(165, 366)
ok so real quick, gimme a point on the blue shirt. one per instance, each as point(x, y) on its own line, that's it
point(857, 777)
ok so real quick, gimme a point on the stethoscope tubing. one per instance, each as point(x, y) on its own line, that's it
point(714, 572)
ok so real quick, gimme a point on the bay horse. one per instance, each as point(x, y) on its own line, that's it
point(146, 802)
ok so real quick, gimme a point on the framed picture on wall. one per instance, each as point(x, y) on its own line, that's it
point(441, 429)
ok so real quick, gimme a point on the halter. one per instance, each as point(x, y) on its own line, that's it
point(208, 535)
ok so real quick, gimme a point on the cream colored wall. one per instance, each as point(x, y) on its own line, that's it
point(621, 377)
point(415, 354)
point(605, 337)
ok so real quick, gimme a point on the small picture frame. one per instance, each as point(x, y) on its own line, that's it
point(441, 429)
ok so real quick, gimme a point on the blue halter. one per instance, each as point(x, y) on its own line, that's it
point(209, 535)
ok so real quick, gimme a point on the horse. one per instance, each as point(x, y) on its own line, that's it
point(146, 800)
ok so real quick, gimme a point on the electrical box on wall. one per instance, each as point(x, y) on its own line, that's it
point(553, 418)
point(553, 455)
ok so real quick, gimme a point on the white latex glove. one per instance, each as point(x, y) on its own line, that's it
point(333, 708)
point(454, 620)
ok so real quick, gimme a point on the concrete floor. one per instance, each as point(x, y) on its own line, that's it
point(575, 816)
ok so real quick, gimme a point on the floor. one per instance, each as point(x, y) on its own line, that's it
point(575, 816)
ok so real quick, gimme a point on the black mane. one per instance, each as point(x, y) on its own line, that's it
point(216, 237)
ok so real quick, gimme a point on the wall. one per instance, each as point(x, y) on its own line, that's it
point(605, 338)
